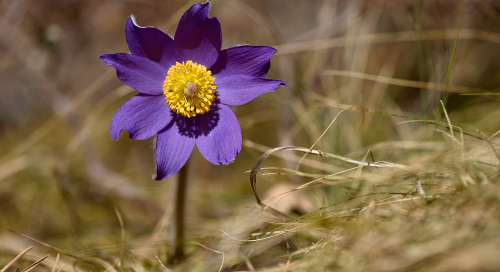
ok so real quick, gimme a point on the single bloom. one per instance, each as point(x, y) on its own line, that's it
point(186, 86)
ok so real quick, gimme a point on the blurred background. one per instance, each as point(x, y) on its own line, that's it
point(66, 183)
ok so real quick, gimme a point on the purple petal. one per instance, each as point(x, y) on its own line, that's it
point(149, 42)
point(198, 38)
point(172, 151)
point(243, 60)
point(222, 143)
point(240, 89)
point(140, 73)
point(142, 116)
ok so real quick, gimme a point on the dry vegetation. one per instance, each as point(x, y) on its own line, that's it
point(371, 81)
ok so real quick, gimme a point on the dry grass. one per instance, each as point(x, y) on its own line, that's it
point(373, 84)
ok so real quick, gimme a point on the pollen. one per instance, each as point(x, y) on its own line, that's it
point(189, 89)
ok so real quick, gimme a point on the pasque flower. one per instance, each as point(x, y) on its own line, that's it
point(186, 85)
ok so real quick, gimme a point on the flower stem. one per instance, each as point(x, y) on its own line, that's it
point(180, 211)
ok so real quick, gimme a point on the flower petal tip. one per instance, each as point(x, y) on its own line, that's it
point(157, 177)
point(202, 8)
point(114, 136)
point(285, 84)
point(131, 20)
point(103, 57)
point(131, 24)
point(231, 161)
point(161, 175)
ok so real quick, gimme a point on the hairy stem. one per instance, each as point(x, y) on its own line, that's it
point(180, 211)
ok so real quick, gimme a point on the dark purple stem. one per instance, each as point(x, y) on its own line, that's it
point(180, 211)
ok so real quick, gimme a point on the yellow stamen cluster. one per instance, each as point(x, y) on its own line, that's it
point(189, 88)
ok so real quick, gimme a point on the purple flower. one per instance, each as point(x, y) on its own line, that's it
point(186, 85)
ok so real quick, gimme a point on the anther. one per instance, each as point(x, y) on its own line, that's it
point(189, 89)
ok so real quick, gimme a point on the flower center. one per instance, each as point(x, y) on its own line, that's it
point(189, 89)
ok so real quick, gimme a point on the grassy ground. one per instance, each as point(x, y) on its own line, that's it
point(394, 102)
